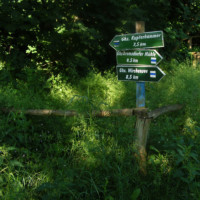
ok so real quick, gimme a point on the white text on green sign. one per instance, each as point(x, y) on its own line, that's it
point(139, 57)
point(137, 73)
point(138, 40)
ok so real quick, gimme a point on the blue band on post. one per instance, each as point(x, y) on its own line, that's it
point(140, 94)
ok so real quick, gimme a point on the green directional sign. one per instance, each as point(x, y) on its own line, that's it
point(138, 40)
point(137, 73)
point(139, 57)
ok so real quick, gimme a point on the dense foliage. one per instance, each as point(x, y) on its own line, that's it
point(85, 157)
point(68, 37)
point(71, 37)
point(54, 54)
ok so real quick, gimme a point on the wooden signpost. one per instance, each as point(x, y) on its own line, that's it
point(139, 57)
point(138, 40)
point(137, 73)
point(137, 62)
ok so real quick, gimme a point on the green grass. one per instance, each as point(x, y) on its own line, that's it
point(85, 157)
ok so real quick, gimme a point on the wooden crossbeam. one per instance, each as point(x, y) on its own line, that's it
point(141, 112)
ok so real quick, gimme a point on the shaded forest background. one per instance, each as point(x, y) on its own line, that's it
point(71, 37)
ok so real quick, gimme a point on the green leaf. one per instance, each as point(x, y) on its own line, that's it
point(135, 194)
point(194, 156)
point(15, 163)
point(1, 180)
point(10, 148)
point(1, 161)
point(178, 173)
point(109, 198)
point(154, 149)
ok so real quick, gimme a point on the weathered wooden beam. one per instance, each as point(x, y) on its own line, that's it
point(71, 113)
point(159, 111)
point(114, 112)
point(140, 112)
point(42, 112)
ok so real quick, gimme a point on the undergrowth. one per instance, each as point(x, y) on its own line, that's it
point(86, 157)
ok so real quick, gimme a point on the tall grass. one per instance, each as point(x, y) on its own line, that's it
point(92, 158)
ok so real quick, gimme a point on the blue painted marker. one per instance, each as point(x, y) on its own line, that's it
point(140, 94)
point(153, 60)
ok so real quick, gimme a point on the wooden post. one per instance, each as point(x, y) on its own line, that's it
point(140, 27)
point(142, 123)
point(142, 130)
point(140, 86)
